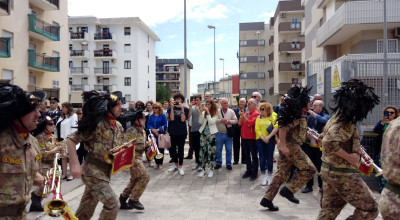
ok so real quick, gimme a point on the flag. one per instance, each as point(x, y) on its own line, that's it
point(124, 159)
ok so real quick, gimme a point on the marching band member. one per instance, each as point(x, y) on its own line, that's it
point(139, 177)
point(44, 135)
point(101, 132)
point(341, 153)
point(292, 122)
point(389, 203)
point(19, 150)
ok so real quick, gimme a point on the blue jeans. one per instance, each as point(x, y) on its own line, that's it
point(222, 138)
point(266, 154)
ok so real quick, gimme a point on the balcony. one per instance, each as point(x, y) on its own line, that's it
point(45, 5)
point(43, 62)
point(104, 54)
point(252, 59)
point(104, 37)
point(5, 43)
point(167, 79)
point(4, 7)
point(289, 27)
point(79, 71)
point(168, 69)
point(251, 43)
point(271, 56)
point(271, 91)
point(291, 47)
point(252, 75)
point(79, 54)
point(174, 88)
point(353, 17)
point(78, 36)
point(249, 92)
point(295, 66)
point(102, 87)
point(271, 40)
point(271, 73)
point(79, 87)
point(284, 87)
point(41, 30)
point(102, 71)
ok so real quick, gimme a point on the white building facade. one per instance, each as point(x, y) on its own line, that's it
point(112, 54)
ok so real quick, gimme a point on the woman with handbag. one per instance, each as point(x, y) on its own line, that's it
point(266, 128)
point(157, 123)
point(208, 138)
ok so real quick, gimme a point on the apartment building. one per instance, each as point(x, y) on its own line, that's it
point(253, 65)
point(287, 42)
point(112, 54)
point(208, 87)
point(34, 45)
point(171, 73)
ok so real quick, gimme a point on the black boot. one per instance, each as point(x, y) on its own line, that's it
point(268, 204)
point(136, 204)
point(36, 205)
point(124, 205)
point(285, 192)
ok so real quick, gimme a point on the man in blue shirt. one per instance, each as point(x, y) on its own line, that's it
point(316, 120)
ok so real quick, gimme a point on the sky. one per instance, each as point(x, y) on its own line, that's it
point(166, 19)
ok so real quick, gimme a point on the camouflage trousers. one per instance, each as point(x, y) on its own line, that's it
point(138, 182)
point(43, 170)
point(97, 190)
point(338, 190)
point(306, 170)
point(19, 217)
point(389, 205)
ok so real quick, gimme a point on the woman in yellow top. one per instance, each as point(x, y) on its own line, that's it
point(266, 128)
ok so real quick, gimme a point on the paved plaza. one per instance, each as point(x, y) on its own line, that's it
point(224, 196)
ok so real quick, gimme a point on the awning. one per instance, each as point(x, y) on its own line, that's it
point(171, 65)
point(76, 97)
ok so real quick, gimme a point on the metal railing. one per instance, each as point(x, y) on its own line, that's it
point(78, 70)
point(42, 61)
point(41, 27)
point(78, 87)
point(103, 36)
point(103, 70)
point(77, 35)
point(103, 53)
point(74, 53)
point(102, 87)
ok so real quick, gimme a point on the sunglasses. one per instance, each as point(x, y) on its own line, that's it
point(254, 96)
point(155, 107)
point(262, 109)
point(390, 112)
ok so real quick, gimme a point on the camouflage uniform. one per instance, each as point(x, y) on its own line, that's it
point(295, 137)
point(19, 164)
point(46, 144)
point(96, 172)
point(341, 183)
point(139, 177)
point(389, 203)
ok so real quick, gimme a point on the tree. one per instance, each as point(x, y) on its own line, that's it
point(163, 93)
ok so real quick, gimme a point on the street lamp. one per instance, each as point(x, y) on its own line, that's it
point(258, 59)
point(223, 66)
point(213, 27)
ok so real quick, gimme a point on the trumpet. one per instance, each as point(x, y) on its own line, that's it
point(368, 162)
point(111, 154)
point(153, 143)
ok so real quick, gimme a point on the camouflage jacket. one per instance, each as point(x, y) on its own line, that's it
point(295, 132)
point(391, 152)
point(46, 145)
point(140, 135)
point(338, 135)
point(18, 167)
point(98, 143)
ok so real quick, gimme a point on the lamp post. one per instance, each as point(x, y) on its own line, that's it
point(258, 59)
point(213, 27)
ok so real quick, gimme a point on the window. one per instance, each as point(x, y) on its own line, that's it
point(56, 84)
point(148, 54)
point(127, 97)
point(56, 54)
point(70, 47)
point(127, 30)
point(148, 84)
point(70, 80)
point(148, 38)
point(7, 74)
point(127, 64)
point(84, 29)
point(10, 35)
point(127, 48)
point(84, 81)
point(127, 81)
point(70, 29)
point(392, 46)
point(243, 42)
point(106, 46)
point(148, 69)
point(32, 80)
point(70, 64)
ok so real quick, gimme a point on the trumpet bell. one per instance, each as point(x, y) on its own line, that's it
point(159, 156)
point(55, 208)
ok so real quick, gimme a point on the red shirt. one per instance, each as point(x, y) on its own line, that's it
point(248, 130)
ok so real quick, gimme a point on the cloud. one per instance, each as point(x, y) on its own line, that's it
point(219, 37)
point(172, 36)
point(267, 15)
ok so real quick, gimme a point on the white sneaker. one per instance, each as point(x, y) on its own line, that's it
point(201, 174)
point(211, 173)
point(269, 179)
point(181, 172)
point(264, 180)
point(173, 168)
point(166, 151)
point(195, 166)
point(199, 168)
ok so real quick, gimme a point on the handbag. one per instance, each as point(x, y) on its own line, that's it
point(229, 130)
point(269, 129)
point(164, 140)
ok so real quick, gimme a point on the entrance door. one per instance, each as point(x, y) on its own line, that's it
point(106, 67)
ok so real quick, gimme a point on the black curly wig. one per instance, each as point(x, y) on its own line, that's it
point(353, 101)
point(296, 99)
point(94, 110)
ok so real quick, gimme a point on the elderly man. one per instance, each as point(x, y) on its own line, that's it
point(236, 137)
point(319, 97)
point(247, 123)
point(257, 96)
point(226, 118)
point(132, 106)
point(316, 120)
point(207, 96)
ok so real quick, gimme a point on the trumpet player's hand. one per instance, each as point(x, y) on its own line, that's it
point(285, 151)
point(354, 159)
point(38, 179)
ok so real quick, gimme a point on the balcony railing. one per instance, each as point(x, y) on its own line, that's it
point(252, 59)
point(45, 5)
point(284, 87)
point(103, 53)
point(289, 26)
point(103, 36)
point(78, 70)
point(166, 78)
point(252, 43)
point(5, 43)
point(294, 66)
point(105, 71)
point(291, 46)
point(4, 7)
point(42, 28)
point(369, 14)
point(43, 62)
point(250, 91)
point(78, 35)
point(78, 87)
point(252, 75)
point(79, 53)
point(103, 87)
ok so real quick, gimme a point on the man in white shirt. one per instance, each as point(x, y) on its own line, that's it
point(257, 96)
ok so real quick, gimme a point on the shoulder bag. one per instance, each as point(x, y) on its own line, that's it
point(164, 140)
point(229, 130)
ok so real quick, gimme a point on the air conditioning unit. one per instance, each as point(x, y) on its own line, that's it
point(397, 32)
point(283, 15)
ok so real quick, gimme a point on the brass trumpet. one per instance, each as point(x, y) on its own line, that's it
point(153, 143)
point(366, 159)
point(111, 154)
